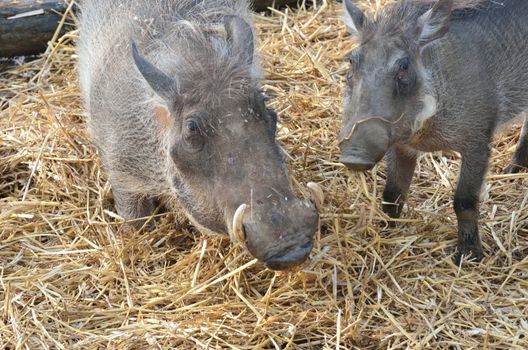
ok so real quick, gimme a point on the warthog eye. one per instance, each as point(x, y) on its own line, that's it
point(405, 77)
point(192, 125)
point(350, 77)
point(193, 135)
point(259, 99)
point(404, 64)
point(355, 59)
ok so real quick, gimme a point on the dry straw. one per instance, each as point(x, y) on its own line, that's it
point(71, 276)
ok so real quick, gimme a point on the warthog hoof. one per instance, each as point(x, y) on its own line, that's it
point(470, 253)
point(514, 169)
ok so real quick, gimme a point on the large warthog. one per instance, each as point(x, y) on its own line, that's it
point(171, 88)
point(435, 75)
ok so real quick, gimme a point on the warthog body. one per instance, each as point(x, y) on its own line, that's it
point(171, 88)
point(435, 75)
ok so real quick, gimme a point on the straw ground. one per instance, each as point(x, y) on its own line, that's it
point(72, 277)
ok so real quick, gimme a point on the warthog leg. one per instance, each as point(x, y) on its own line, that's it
point(134, 206)
point(466, 203)
point(520, 158)
point(401, 162)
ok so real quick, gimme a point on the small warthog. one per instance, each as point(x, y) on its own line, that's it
point(171, 89)
point(435, 75)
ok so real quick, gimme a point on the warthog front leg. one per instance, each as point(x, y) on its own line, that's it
point(520, 158)
point(401, 162)
point(466, 203)
point(134, 206)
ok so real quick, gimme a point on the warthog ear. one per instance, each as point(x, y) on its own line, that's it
point(240, 36)
point(353, 17)
point(434, 24)
point(162, 84)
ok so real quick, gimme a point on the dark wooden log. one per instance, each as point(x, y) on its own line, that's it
point(27, 25)
point(262, 5)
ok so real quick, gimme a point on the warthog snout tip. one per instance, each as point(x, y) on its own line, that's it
point(356, 163)
point(289, 258)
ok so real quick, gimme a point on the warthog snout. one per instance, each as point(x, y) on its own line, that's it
point(356, 163)
point(364, 144)
point(277, 232)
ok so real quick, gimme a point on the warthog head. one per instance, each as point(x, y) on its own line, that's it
point(224, 161)
point(387, 94)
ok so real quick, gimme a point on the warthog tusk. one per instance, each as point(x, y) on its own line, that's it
point(238, 227)
point(317, 195)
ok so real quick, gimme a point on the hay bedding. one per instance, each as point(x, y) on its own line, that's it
point(71, 277)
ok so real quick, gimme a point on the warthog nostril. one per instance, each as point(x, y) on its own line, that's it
point(289, 257)
point(356, 163)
